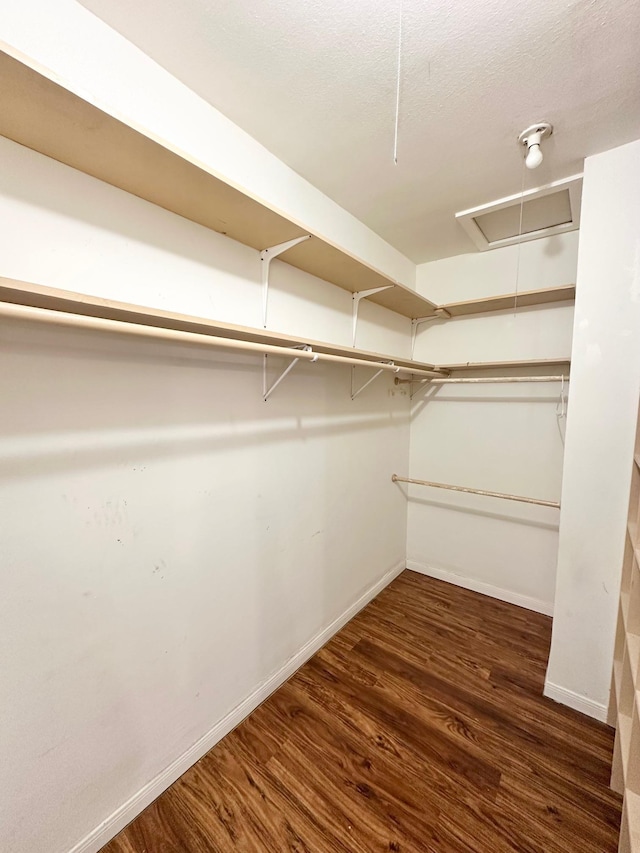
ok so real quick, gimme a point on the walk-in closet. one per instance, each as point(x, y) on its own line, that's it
point(319, 457)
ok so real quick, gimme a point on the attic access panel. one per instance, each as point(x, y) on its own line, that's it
point(550, 209)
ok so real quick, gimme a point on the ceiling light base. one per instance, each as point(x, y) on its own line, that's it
point(541, 129)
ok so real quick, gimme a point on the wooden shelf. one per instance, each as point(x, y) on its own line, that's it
point(633, 650)
point(632, 814)
point(43, 115)
point(617, 678)
point(40, 113)
point(39, 296)
point(562, 364)
point(625, 774)
point(624, 727)
point(527, 298)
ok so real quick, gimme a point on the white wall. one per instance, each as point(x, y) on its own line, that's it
point(171, 545)
point(605, 375)
point(504, 438)
point(74, 47)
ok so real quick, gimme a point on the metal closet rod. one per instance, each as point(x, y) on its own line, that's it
point(484, 492)
point(83, 321)
point(469, 380)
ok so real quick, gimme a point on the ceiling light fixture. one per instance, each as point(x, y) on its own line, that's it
point(531, 138)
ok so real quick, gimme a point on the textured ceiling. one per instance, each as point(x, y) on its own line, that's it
point(314, 81)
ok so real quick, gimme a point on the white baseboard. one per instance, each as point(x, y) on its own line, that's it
point(474, 585)
point(552, 691)
point(110, 827)
point(575, 701)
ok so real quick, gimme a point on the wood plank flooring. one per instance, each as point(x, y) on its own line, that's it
point(419, 728)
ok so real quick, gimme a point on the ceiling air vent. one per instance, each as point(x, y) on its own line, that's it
point(552, 209)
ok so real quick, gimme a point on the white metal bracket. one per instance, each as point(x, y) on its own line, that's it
point(267, 392)
point(363, 294)
point(438, 314)
point(266, 256)
point(354, 393)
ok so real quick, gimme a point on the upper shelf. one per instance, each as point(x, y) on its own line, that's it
point(44, 116)
point(543, 364)
point(41, 114)
point(526, 298)
point(39, 296)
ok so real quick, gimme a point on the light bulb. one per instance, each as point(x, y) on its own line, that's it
point(534, 156)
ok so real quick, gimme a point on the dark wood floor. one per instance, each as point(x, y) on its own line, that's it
point(420, 727)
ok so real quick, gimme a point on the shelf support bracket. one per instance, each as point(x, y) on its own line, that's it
point(354, 393)
point(438, 314)
point(359, 295)
point(267, 392)
point(266, 256)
